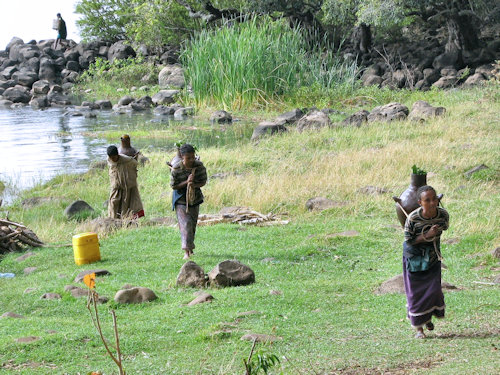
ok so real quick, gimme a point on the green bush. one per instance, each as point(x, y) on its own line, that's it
point(258, 61)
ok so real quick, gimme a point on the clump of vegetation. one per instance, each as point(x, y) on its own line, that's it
point(417, 170)
point(256, 62)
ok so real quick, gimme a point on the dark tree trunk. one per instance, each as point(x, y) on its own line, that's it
point(362, 38)
point(462, 34)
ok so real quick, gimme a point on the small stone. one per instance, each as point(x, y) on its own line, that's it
point(27, 339)
point(25, 256)
point(451, 241)
point(268, 260)
point(29, 290)
point(68, 288)
point(321, 203)
point(205, 297)
point(29, 270)
point(51, 331)
point(373, 190)
point(258, 337)
point(135, 295)
point(12, 315)
point(275, 292)
point(51, 296)
point(79, 292)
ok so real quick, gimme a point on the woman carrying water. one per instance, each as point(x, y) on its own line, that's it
point(422, 261)
point(187, 177)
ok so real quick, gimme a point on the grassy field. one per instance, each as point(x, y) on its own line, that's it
point(328, 316)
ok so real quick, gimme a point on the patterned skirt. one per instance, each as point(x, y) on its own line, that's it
point(187, 224)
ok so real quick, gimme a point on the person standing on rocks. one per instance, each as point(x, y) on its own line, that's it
point(62, 33)
point(124, 198)
point(422, 261)
point(187, 177)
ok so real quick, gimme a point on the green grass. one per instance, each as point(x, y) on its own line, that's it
point(328, 316)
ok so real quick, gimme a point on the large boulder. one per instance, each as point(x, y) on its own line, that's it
point(313, 121)
point(120, 50)
point(475, 79)
point(191, 275)
point(447, 59)
point(231, 273)
point(171, 76)
point(47, 69)
point(290, 117)
point(104, 104)
point(357, 119)
point(135, 295)
point(445, 82)
point(268, 128)
point(76, 208)
point(322, 203)
point(25, 78)
point(17, 95)
point(372, 80)
point(39, 102)
point(125, 100)
point(7, 73)
point(15, 40)
point(389, 112)
point(164, 97)
point(41, 87)
point(422, 110)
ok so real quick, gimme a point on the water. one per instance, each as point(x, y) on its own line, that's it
point(38, 145)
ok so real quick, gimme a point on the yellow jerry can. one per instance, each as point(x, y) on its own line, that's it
point(86, 248)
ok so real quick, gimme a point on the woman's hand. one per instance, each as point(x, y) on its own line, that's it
point(433, 232)
point(190, 179)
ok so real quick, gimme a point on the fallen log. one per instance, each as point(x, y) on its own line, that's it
point(15, 236)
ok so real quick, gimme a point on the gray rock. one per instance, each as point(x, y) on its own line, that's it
point(201, 298)
point(77, 207)
point(27, 339)
point(17, 95)
point(164, 110)
point(73, 65)
point(445, 82)
point(422, 110)
point(38, 102)
point(182, 113)
point(478, 168)
point(79, 292)
point(445, 60)
point(125, 100)
point(5, 103)
point(135, 295)
point(51, 296)
point(388, 112)
point(373, 80)
point(171, 76)
point(321, 203)
point(231, 273)
point(25, 78)
point(191, 275)
point(12, 315)
point(104, 104)
point(98, 272)
point(314, 121)
point(164, 97)
point(120, 50)
point(373, 190)
point(41, 87)
point(475, 79)
point(268, 128)
point(90, 105)
point(290, 117)
point(15, 40)
point(487, 70)
point(357, 119)
point(221, 117)
point(431, 75)
point(25, 256)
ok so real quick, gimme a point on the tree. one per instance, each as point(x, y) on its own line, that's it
point(460, 16)
point(105, 19)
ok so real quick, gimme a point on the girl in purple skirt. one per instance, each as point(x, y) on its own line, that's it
point(422, 261)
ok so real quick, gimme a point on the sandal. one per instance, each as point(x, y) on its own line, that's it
point(429, 326)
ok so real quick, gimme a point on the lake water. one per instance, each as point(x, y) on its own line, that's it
point(37, 145)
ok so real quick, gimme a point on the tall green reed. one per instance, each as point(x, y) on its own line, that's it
point(258, 61)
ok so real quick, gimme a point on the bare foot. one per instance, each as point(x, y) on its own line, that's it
point(420, 333)
point(186, 255)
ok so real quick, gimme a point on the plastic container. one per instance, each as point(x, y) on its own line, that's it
point(86, 248)
point(55, 24)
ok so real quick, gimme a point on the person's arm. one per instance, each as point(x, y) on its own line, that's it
point(200, 177)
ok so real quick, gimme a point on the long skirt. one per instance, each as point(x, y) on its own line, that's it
point(187, 224)
point(424, 295)
point(125, 203)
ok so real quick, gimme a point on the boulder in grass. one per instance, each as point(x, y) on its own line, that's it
point(191, 275)
point(314, 121)
point(322, 203)
point(163, 97)
point(478, 168)
point(422, 110)
point(11, 315)
point(76, 208)
point(125, 100)
point(221, 117)
point(51, 296)
point(291, 117)
point(201, 298)
point(268, 128)
point(475, 79)
point(135, 295)
point(389, 112)
point(357, 119)
point(104, 104)
point(171, 76)
point(231, 273)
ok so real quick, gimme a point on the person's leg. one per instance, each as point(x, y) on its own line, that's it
point(183, 219)
point(420, 333)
